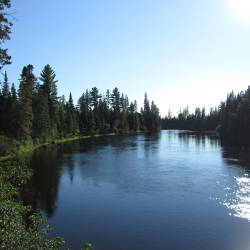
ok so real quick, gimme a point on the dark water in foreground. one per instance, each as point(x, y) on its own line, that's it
point(163, 191)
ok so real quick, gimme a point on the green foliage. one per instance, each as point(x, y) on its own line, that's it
point(235, 118)
point(5, 31)
point(20, 227)
point(88, 246)
point(8, 146)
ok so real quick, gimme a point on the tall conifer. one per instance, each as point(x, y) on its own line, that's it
point(26, 88)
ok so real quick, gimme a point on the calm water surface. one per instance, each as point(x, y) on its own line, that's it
point(165, 191)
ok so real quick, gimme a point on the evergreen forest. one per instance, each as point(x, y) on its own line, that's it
point(35, 112)
point(231, 119)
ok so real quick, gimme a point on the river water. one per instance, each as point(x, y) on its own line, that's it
point(170, 190)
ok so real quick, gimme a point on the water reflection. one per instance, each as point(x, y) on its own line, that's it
point(235, 180)
point(150, 144)
point(236, 156)
point(198, 139)
point(42, 190)
point(175, 181)
point(50, 163)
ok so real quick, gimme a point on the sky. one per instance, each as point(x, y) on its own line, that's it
point(183, 52)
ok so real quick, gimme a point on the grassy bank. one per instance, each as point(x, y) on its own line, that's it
point(10, 148)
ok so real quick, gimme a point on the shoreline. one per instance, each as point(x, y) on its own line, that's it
point(29, 147)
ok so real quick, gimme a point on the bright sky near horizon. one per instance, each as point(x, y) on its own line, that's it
point(184, 52)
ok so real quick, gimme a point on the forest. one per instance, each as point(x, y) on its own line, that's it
point(35, 112)
point(231, 119)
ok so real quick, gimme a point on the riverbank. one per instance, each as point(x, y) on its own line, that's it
point(23, 227)
point(10, 148)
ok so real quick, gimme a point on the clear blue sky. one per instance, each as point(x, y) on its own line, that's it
point(180, 52)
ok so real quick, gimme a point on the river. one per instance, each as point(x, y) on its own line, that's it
point(170, 190)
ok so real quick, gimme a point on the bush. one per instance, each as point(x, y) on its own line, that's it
point(20, 227)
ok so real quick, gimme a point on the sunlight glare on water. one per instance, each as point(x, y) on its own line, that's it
point(239, 201)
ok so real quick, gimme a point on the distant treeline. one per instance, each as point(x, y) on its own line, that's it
point(36, 112)
point(197, 121)
point(231, 119)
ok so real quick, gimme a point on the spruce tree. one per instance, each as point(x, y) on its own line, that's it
point(94, 99)
point(116, 108)
point(25, 93)
point(83, 114)
point(5, 31)
point(108, 98)
point(72, 121)
point(41, 122)
point(70, 103)
point(6, 87)
point(13, 114)
point(116, 101)
point(47, 78)
point(62, 113)
point(146, 113)
point(6, 105)
point(95, 96)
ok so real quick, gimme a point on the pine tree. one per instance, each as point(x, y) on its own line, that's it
point(83, 113)
point(70, 103)
point(116, 101)
point(41, 122)
point(6, 105)
point(62, 113)
point(146, 106)
point(91, 123)
point(108, 98)
point(26, 88)
point(47, 78)
point(103, 114)
point(94, 100)
point(5, 31)
point(151, 116)
point(95, 96)
point(155, 117)
point(146, 113)
point(6, 88)
point(13, 114)
point(116, 108)
point(72, 121)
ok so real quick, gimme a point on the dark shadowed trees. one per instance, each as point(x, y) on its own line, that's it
point(48, 79)
point(36, 112)
point(26, 94)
